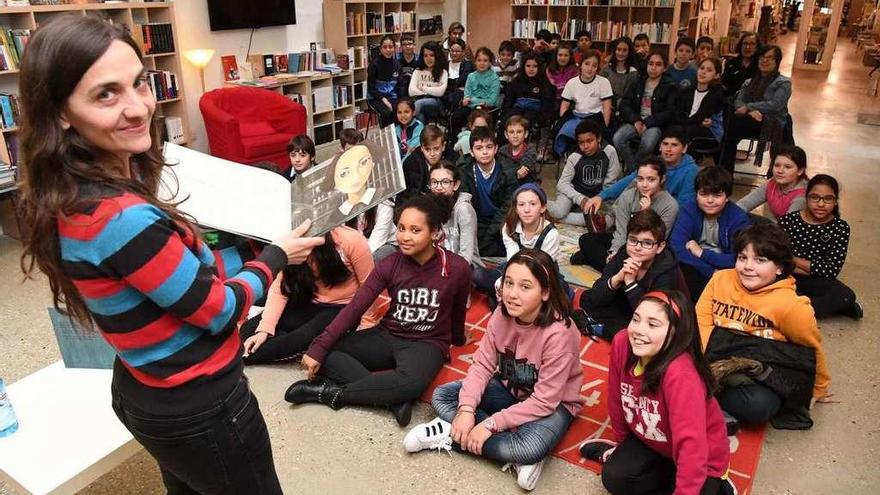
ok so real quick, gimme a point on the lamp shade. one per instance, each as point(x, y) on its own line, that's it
point(199, 57)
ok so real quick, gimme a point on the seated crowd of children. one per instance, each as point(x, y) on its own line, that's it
point(697, 295)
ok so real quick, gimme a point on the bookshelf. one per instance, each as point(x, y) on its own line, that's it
point(346, 26)
point(661, 19)
point(132, 14)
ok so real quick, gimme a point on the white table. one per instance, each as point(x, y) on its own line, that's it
point(68, 435)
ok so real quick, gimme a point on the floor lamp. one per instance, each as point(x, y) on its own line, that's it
point(200, 58)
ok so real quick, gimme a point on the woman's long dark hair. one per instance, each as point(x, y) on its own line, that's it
point(62, 173)
point(630, 57)
point(440, 61)
point(761, 81)
point(521, 71)
point(683, 337)
point(739, 46)
point(324, 264)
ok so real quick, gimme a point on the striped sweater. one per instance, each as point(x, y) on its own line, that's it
point(161, 299)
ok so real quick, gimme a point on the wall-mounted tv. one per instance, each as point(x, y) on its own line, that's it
point(247, 14)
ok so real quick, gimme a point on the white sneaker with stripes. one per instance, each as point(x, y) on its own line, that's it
point(432, 435)
point(526, 474)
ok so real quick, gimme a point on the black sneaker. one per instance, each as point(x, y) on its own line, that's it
point(595, 449)
point(581, 321)
point(857, 311)
point(731, 422)
point(578, 258)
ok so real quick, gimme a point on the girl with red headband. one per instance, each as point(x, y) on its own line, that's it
point(523, 390)
point(670, 435)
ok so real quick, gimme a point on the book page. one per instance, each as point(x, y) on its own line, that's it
point(225, 195)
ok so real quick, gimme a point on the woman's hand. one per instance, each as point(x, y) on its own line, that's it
point(476, 438)
point(465, 102)
point(742, 110)
point(296, 246)
point(252, 343)
point(707, 122)
point(462, 425)
point(694, 248)
point(756, 115)
point(640, 127)
point(311, 366)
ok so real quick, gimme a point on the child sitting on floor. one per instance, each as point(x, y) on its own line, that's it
point(702, 237)
point(520, 152)
point(587, 171)
point(758, 298)
point(407, 127)
point(523, 389)
point(460, 231)
point(478, 118)
point(785, 192)
point(642, 265)
point(669, 432)
point(820, 239)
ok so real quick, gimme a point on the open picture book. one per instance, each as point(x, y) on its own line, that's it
point(263, 205)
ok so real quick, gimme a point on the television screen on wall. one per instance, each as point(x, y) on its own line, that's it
point(247, 14)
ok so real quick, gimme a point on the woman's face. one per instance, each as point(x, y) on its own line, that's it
point(655, 66)
point(589, 68)
point(749, 46)
point(563, 57)
point(821, 201)
point(785, 172)
point(529, 208)
point(755, 271)
point(648, 329)
point(387, 48)
point(456, 53)
point(767, 62)
point(482, 62)
point(404, 114)
point(413, 232)
point(353, 170)
point(112, 105)
point(621, 52)
point(442, 183)
point(648, 181)
point(522, 293)
point(531, 68)
point(707, 73)
point(429, 58)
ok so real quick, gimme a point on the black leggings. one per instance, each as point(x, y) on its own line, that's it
point(380, 369)
point(740, 127)
point(752, 404)
point(296, 329)
point(828, 296)
point(635, 469)
point(615, 316)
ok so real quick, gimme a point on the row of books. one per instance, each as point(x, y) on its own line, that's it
point(342, 96)
point(658, 32)
point(377, 22)
point(584, 3)
point(354, 58)
point(12, 148)
point(9, 113)
point(12, 44)
point(155, 38)
point(163, 83)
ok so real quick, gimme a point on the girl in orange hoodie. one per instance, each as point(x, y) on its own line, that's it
point(758, 297)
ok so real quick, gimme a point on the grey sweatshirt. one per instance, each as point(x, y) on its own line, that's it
point(628, 203)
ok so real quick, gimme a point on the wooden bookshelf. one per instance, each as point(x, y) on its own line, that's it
point(129, 14)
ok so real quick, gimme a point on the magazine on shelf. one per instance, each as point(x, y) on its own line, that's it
point(264, 205)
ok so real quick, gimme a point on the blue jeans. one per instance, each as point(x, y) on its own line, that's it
point(647, 144)
point(529, 444)
point(428, 107)
point(222, 450)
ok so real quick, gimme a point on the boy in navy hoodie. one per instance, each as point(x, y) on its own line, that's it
point(702, 237)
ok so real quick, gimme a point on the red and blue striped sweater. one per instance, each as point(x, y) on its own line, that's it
point(161, 299)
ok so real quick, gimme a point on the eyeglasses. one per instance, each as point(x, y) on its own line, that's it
point(815, 198)
point(645, 243)
point(441, 183)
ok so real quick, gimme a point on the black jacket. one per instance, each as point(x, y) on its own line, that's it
point(735, 75)
point(663, 274)
point(463, 72)
point(530, 87)
point(501, 193)
point(415, 173)
point(712, 103)
point(663, 103)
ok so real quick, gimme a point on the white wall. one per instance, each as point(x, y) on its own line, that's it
point(194, 31)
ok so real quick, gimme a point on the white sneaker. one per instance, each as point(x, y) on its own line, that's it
point(432, 435)
point(526, 474)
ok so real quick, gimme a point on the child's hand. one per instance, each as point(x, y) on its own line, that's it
point(311, 366)
point(608, 258)
point(630, 270)
point(825, 399)
point(756, 115)
point(387, 103)
point(465, 102)
point(707, 122)
point(252, 343)
point(592, 205)
point(645, 202)
point(476, 438)
point(522, 172)
point(640, 127)
point(694, 248)
point(742, 110)
point(462, 425)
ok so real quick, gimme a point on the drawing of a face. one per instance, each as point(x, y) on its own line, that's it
point(352, 172)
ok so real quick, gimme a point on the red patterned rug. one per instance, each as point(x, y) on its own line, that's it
point(593, 421)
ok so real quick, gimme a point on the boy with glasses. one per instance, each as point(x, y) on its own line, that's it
point(642, 265)
point(409, 62)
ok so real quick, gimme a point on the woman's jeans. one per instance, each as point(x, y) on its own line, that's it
point(222, 450)
point(647, 144)
point(528, 444)
point(427, 108)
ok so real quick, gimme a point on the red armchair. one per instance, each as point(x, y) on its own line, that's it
point(249, 125)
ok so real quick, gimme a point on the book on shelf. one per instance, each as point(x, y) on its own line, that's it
point(163, 83)
point(296, 97)
point(281, 63)
point(9, 112)
point(322, 99)
point(155, 37)
point(357, 56)
point(12, 45)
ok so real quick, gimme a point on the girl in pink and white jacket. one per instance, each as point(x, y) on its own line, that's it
point(523, 390)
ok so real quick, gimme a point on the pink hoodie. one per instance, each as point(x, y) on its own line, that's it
point(544, 362)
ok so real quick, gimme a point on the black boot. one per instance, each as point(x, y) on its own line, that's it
point(320, 390)
point(402, 412)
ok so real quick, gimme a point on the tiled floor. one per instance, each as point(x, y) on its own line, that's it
point(358, 451)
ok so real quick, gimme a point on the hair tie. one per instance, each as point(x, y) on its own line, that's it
point(665, 299)
point(546, 272)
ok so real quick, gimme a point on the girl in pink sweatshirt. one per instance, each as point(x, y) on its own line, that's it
point(523, 390)
point(670, 433)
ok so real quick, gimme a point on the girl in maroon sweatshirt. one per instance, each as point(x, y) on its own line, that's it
point(669, 431)
point(523, 390)
point(391, 364)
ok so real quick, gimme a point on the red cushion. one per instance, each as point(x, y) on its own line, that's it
point(256, 146)
point(255, 128)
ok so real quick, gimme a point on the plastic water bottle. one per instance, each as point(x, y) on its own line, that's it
point(8, 421)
